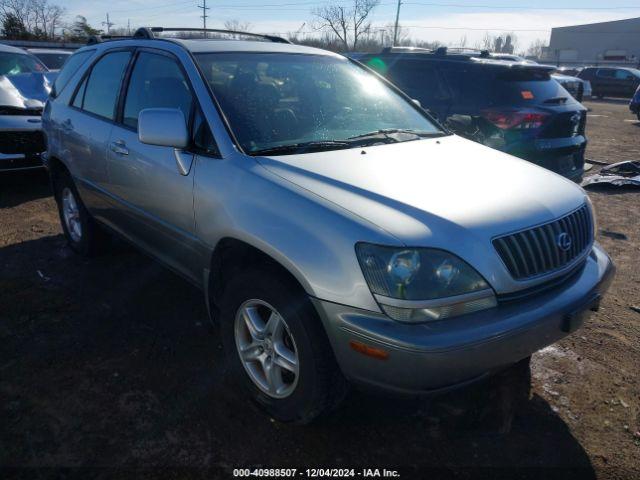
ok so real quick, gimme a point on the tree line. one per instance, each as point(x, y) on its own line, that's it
point(338, 27)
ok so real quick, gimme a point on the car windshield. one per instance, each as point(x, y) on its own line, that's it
point(279, 101)
point(15, 63)
point(53, 60)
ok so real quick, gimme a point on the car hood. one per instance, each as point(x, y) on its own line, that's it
point(448, 192)
point(26, 90)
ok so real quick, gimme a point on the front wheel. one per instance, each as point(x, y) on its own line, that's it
point(638, 115)
point(276, 347)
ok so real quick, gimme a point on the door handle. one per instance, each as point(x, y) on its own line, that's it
point(67, 126)
point(119, 147)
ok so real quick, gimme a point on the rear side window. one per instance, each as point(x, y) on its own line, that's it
point(624, 75)
point(487, 87)
point(103, 84)
point(157, 81)
point(606, 73)
point(419, 77)
point(73, 63)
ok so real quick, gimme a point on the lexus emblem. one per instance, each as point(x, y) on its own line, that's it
point(564, 241)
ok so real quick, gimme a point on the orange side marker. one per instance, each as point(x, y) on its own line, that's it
point(369, 350)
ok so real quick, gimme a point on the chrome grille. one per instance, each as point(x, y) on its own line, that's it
point(537, 251)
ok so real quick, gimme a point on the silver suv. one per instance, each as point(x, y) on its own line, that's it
point(339, 234)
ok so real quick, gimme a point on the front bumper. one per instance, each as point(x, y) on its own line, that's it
point(21, 142)
point(437, 356)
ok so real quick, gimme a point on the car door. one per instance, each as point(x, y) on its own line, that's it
point(626, 83)
point(155, 198)
point(606, 81)
point(86, 127)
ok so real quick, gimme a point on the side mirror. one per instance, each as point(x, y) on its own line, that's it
point(164, 127)
point(416, 101)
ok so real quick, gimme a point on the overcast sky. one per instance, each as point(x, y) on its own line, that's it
point(444, 20)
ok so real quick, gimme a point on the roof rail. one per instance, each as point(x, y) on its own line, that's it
point(148, 33)
point(271, 38)
point(404, 49)
point(95, 39)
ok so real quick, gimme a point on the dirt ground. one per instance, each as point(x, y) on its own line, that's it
point(110, 364)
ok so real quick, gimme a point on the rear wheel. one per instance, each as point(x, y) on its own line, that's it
point(81, 231)
point(276, 347)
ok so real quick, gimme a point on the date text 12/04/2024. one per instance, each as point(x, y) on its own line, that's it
point(317, 472)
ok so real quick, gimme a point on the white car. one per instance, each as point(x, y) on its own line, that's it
point(25, 83)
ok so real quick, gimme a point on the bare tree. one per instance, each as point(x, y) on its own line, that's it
point(237, 25)
point(346, 23)
point(536, 48)
point(39, 18)
point(47, 17)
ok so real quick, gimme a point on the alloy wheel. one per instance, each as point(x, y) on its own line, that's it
point(266, 348)
point(71, 215)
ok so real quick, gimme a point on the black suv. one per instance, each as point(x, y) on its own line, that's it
point(515, 107)
point(612, 81)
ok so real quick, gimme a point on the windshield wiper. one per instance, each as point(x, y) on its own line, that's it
point(303, 147)
point(384, 134)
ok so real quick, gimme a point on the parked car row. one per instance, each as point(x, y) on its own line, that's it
point(340, 234)
point(512, 106)
point(611, 81)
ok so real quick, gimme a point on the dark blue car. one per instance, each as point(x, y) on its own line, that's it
point(515, 107)
point(634, 104)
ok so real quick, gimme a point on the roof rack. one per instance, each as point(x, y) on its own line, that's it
point(149, 34)
point(405, 49)
point(462, 51)
point(440, 51)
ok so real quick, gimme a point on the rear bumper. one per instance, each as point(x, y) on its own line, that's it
point(432, 357)
point(564, 156)
point(21, 142)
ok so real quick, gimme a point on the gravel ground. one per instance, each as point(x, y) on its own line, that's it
point(110, 363)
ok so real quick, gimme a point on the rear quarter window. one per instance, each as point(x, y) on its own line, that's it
point(71, 66)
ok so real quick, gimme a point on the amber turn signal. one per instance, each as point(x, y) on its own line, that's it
point(368, 350)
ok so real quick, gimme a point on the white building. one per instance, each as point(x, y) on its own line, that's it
point(616, 42)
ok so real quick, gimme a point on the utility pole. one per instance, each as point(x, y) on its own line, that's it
point(129, 26)
point(204, 16)
point(395, 29)
point(108, 24)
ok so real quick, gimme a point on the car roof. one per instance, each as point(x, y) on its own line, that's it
point(215, 46)
point(456, 58)
point(9, 49)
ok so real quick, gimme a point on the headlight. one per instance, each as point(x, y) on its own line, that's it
point(422, 284)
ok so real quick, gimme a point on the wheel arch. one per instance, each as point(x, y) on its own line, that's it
point(232, 255)
point(56, 167)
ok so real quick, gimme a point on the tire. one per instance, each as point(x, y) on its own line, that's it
point(83, 234)
point(312, 383)
point(638, 115)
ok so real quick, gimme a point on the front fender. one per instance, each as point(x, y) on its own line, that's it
point(311, 237)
